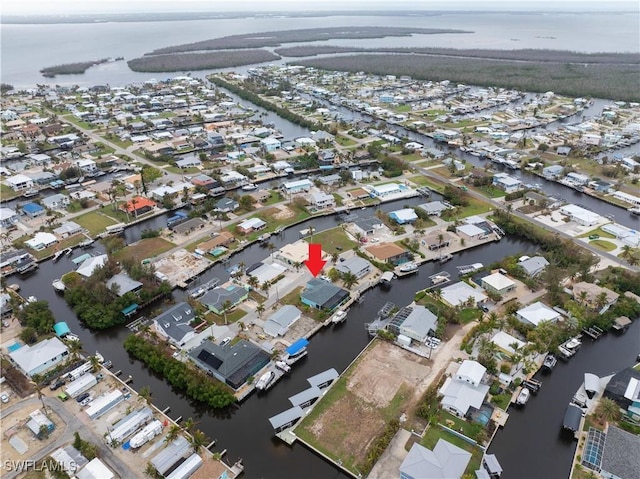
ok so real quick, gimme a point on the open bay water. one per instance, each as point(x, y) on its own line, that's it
point(26, 48)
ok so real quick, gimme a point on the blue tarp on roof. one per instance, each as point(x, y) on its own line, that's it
point(297, 346)
point(61, 329)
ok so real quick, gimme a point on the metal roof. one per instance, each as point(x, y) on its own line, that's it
point(166, 459)
point(572, 418)
point(591, 382)
point(329, 375)
point(286, 417)
point(297, 346)
point(307, 395)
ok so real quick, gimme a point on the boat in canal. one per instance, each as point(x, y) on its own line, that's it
point(549, 363)
point(339, 316)
point(86, 243)
point(570, 347)
point(408, 268)
point(58, 285)
point(523, 396)
point(635, 210)
point(282, 366)
point(266, 381)
point(296, 351)
point(249, 187)
point(264, 238)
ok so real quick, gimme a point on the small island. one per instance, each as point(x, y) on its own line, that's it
point(76, 68)
point(200, 61)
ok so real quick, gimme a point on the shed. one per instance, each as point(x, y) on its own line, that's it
point(286, 419)
point(37, 421)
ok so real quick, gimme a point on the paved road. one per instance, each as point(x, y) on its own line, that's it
point(71, 425)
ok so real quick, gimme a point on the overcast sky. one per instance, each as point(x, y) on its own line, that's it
point(66, 7)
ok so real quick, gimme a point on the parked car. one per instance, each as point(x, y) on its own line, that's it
point(594, 237)
point(86, 401)
point(225, 341)
point(4, 398)
point(63, 396)
point(82, 397)
point(57, 384)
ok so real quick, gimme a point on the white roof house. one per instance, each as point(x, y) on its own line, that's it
point(40, 357)
point(472, 231)
point(280, 321)
point(446, 461)
point(505, 341)
point(89, 265)
point(536, 313)
point(498, 283)
point(460, 292)
point(95, 470)
point(471, 372)
point(580, 215)
point(385, 190)
point(405, 215)
point(41, 240)
point(459, 396)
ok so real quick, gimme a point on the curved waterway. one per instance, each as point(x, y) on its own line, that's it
point(244, 430)
point(531, 445)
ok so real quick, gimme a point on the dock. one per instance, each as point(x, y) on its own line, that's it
point(469, 268)
point(594, 332)
point(440, 278)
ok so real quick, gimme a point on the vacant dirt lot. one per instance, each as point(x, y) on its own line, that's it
point(384, 382)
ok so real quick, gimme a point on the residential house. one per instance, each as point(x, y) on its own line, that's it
point(381, 191)
point(533, 266)
point(223, 238)
point(279, 322)
point(226, 205)
point(577, 178)
point(563, 150)
point(580, 215)
point(321, 201)
point(66, 229)
point(139, 206)
point(404, 216)
point(624, 389)
point(122, 284)
point(498, 283)
point(389, 253)
point(56, 201)
point(507, 183)
point(223, 299)
point(627, 198)
point(553, 171)
point(594, 295)
point(460, 293)
point(464, 393)
point(19, 182)
point(297, 252)
point(41, 240)
point(330, 180)
point(189, 162)
point(250, 225)
point(85, 165)
point(355, 265)
point(232, 364)
point(41, 357)
point(323, 295)
point(446, 461)
point(601, 186)
point(33, 210)
point(534, 198)
point(507, 343)
point(618, 460)
point(8, 217)
point(434, 208)
point(294, 187)
point(536, 313)
point(269, 145)
point(326, 159)
point(471, 372)
point(367, 226)
point(204, 181)
point(232, 177)
point(415, 322)
point(437, 240)
point(472, 232)
point(174, 324)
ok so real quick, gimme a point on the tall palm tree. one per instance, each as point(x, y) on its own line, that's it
point(145, 393)
point(626, 252)
point(95, 363)
point(260, 309)
point(225, 307)
point(349, 279)
point(252, 281)
point(334, 257)
point(173, 432)
point(583, 297)
point(601, 300)
point(74, 349)
point(198, 440)
point(189, 424)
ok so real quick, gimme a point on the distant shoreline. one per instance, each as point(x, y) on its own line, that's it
point(14, 19)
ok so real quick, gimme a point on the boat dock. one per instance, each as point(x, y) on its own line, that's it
point(204, 288)
point(440, 278)
point(594, 332)
point(469, 268)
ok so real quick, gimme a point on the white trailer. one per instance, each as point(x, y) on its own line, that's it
point(80, 385)
point(150, 431)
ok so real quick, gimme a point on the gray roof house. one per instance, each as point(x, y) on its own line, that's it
point(321, 294)
point(446, 461)
point(40, 357)
point(358, 266)
point(415, 322)
point(463, 392)
point(434, 208)
point(68, 228)
point(217, 297)
point(226, 205)
point(534, 266)
point(279, 323)
point(368, 226)
point(618, 461)
point(174, 324)
point(123, 283)
point(232, 364)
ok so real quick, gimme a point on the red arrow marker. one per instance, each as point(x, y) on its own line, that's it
point(315, 263)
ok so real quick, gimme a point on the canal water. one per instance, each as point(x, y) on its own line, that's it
point(244, 430)
point(531, 445)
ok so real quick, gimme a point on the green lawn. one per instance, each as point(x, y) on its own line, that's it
point(475, 207)
point(269, 215)
point(402, 108)
point(232, 316)
point(603, 245)
point(501, 400)
point(94, 222)
point(598, 231)
point(182, 171)
point(143, 249)
point(412, 157)
point(122, 144)
point(65, 243)
point(491, 191)
point(78, 123)
point(469, 314)
point(333, 239)
point(7, 193)
point(434, 433)
point(425, 181)
point(344, 141)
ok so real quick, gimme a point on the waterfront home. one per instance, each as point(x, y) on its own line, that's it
point(618, 460)
point(326, 158)
point(627, 198)
point(404, 216)
point(470, 231)
point(601, 186)
point(297, 252)
point(33, 210)
point(280, 165)
point(66, 229)
point(625, 235)
point(389, 253)
point(507, 343)
point(279, 322)
point(415, 322)
point(498, 283)
point(226, 205)
point(434, 208)
point(223, 299)
point(8, 217)
point(232, 364)
point(355, 265)
point(594, 295)
point(41, 357)
point(204, 181)
point(533, 266)
point(19, 182)
point(577, 178)
point(580, 215)
point(122, 284)
point(189, 162)
point(89, 265)
point(250, 225)
point(536, 313)
point(624, 389)
point(381, 191)
point(437, 239)
point(367, 226)
point(460, 293)
point(86, 166)
point(323, 295)
point(330, 180)
point(321, 201)
point(464, 393)
point(57, 201)
point(233, 178)
point(174, 324)
point(223, 238)
point(41, 240)
point(553, 171)
point(445, 461)
point(138, 206)
point(10, 258)
point(507, 183)
point(295, 187)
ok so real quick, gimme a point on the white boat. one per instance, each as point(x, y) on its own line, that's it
point(339, 317)
point(99, 357)
point(570, 347)
point(71, 337)
point(635, 210)
point(57, 255)
point(549, 362)
point(58, 285)
point(265, 381)
point(86, 243)
point(444, 258)
point(405, 268)
point(32, 299)
point(523, 397)
point(282, 366)
point(439, 279)
point(249, 187)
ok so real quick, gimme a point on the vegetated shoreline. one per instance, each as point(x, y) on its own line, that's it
point(523, 55)
point(76, 68)
point(200, 61)
point(613, 81)
point(275, 39)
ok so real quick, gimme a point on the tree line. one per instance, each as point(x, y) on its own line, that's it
point(71, 68)
point(193, 382)
point(200, 61)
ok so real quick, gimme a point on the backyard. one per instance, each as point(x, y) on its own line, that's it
point(144, 249)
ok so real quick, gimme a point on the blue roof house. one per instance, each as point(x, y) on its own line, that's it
point(33, 210)
point(404, 216)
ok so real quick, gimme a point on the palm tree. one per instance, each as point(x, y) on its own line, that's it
point(437, 293)
point(633, 260)
point(37, 381)
point(626, 252)
point(225, 307)
point(74, 348)
point(608, 410)
point(198, 440)
point(189, 424)
point(260, 309)
point(134, 201)
point(583, 297)
point(173, 432)
point(95, 363)
point(145, 393)
point(297, 265)
point(334, 257)
point(601, 300)
point(349, 279)
point(271, 247)
point(252, 281)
